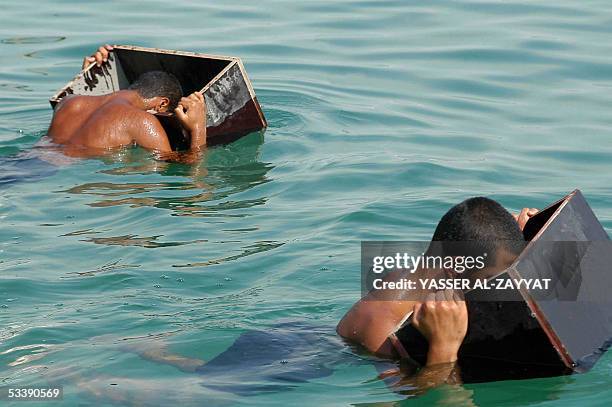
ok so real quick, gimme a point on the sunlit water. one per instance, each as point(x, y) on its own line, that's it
point(382, 114)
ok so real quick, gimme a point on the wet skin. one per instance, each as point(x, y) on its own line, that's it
point(442, 319)
point(93, 123)
point(87, 126)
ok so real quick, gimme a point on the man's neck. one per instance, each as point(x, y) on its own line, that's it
point(134, 99)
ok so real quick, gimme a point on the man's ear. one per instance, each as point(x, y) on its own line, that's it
point(163, 104)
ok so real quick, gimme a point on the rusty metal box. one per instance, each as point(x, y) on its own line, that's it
point(531, 335)
point(232, 107)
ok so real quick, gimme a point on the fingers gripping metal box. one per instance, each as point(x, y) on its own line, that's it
point(232, 107)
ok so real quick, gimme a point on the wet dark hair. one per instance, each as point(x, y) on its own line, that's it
point(158, 83)
point(484, 223)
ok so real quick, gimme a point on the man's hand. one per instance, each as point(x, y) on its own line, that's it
point(443, 321)
point(191, 112)
point(99, 57)
point(524, 216)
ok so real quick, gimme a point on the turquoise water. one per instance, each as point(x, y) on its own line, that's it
point(382, 114)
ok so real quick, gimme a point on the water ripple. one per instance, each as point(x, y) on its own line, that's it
point(381, 115)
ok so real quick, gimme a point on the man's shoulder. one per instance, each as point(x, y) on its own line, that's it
point(122, 107)
point(140, 121)
point(143, 117)
point(72, 102)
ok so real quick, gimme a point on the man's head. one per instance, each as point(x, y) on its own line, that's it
point(160, 90)
point(486, 226)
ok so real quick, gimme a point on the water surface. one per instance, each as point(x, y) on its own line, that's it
point(382, 114)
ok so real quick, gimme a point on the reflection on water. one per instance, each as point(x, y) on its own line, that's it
point(112, 266)
point(222, 173)
point(32, 40)
point(133, 240)
point(21, 169)
point(407, 387)
point(208, 189)
point(255, 248)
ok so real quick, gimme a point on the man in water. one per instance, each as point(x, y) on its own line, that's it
point(442, 318)
point(278, 358)
point(91, 124)
point(88, 126)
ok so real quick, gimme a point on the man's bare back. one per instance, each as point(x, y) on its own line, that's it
point(122, 118)
point(102, 122)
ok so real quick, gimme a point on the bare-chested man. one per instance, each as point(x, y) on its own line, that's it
point(89, 124)
point(442, 318)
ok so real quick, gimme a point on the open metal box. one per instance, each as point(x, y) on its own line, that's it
point(232, 107)
point(533, 334)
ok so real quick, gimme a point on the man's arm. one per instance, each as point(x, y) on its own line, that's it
point(191, 113)
point(443, 320)
point(372, 320)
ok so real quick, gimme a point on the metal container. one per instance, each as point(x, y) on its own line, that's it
point(533, 334)
point(232, 107)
